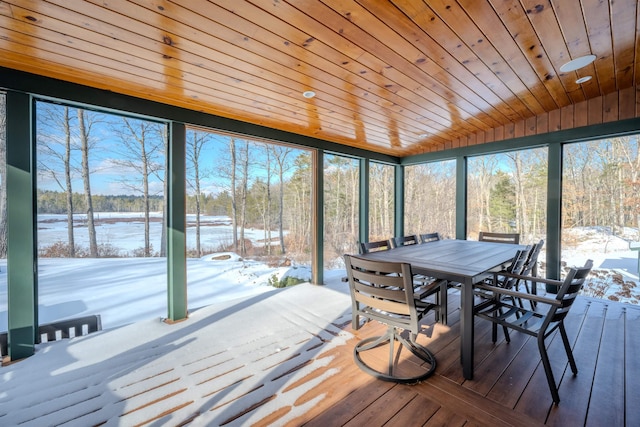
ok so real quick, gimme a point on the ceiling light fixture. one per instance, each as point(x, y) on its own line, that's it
point(583, 79)
point(308, 94)
point(579, 62)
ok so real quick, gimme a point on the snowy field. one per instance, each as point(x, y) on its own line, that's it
point(126, 290)
point(615, 267)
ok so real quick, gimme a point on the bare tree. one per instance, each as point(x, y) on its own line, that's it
point(481, 181)
point(140, 146)
point(264, 200)
point(244, 190)
point(165, 191)
point(195, 144)
point(234, 209)
point(55, 153)
point(381, 206)
point(85, 123)
point(340, 207)
point(280, 154)
point(297, 218)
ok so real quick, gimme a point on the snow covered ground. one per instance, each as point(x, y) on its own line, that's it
point(615, 267)
point(126, 290)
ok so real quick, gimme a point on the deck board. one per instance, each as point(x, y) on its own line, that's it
point(608, 381)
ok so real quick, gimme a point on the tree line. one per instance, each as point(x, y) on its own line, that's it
point(55, 202)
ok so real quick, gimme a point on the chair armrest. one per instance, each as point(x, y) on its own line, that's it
point(522, 295)
point(532, 278)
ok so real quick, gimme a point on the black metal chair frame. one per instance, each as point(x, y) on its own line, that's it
point(383, 291)
point(538, 323)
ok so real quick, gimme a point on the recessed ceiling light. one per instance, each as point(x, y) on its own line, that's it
point(583, 79)
point(309, 94)
point(580, 62)
point(424, 135)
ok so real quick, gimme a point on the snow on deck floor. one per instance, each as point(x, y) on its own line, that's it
point(224, 359)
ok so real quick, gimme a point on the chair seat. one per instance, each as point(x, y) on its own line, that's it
point(505, 313)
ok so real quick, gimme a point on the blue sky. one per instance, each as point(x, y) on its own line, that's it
point(112, 166)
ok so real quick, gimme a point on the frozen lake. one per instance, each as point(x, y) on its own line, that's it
point(125, 231)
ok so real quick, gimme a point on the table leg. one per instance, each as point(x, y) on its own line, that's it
point(466, 330)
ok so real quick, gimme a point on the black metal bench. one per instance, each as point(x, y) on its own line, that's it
point(62, 329)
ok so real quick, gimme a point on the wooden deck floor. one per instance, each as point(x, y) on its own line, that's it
point(295, 367)
point(509, 387)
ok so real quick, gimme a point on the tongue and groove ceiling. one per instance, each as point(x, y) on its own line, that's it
point(398, 77)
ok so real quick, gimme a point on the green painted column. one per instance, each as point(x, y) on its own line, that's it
point(176, 227)
point(554, 211)
point(22, 276)
point(317, 268)
point(398, 200)
point(363, 220)
point(461, 198)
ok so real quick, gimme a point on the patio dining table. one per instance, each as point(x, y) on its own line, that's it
point(466, 262)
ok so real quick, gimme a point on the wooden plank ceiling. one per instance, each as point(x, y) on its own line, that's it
point(398, 77)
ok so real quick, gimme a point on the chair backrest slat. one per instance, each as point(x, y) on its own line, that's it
point(379, 278)
point(429, 237)
point(411, 239)
point(517, 266)
point(568, 292)
point(379, 245)
point(532, 260)
point(485, 236)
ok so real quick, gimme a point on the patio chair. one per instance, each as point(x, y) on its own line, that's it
point(383, 291)
point(411, 239)
point(429, 237)
point(485, 236)
point(380, 245)
point(539, 323)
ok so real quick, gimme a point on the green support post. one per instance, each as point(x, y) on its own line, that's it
point(22, 277)
point(317, 269)
point(554, 212)
point(461, 198)
point(363, 220)
point(398, 200)
point(176, 238)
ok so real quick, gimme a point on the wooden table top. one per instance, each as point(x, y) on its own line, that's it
point(463, 261)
